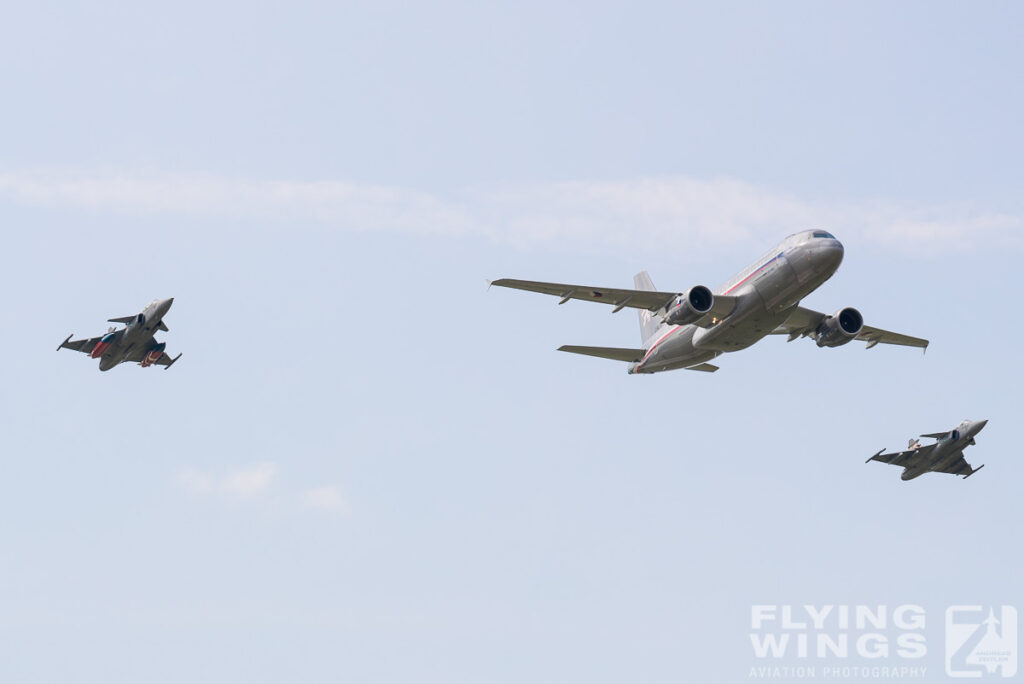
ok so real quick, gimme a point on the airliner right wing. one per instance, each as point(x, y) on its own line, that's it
point(721, 306)
point(637, 299)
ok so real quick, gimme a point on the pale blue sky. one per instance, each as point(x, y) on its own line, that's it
point(369, 468)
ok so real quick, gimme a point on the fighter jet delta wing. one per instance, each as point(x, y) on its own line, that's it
point(807, 323)
point(152, 356)
point(908, 459)
point(721, 305)
point(960, 467)
point(84, 346)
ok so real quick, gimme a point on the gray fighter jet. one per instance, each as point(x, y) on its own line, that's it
point(134, 342)
point(688, 329)
point(946, 455)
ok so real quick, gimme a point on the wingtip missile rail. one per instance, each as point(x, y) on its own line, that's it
point(974, 471)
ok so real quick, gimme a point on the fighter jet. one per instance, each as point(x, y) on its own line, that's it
point(946, 455)
point(688, 329)
point(134, 342)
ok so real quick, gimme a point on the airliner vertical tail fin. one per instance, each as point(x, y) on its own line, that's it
point(648, 323)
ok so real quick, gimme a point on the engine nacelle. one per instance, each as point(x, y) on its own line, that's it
point(839, 328)
point(690, 307)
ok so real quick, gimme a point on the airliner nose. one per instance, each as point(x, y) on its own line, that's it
point(832, 254)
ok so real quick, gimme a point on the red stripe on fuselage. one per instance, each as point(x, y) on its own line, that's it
point(656, 343)
point(675, 328)
point(753, 273)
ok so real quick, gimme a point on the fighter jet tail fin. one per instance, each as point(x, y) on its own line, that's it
point(649, 323)
point(974, 470)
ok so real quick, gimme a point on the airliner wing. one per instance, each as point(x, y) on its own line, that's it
point(804, 321)
point(637, 299)
point(614, 353)
point(722, 305)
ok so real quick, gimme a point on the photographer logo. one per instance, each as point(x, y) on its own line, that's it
point(981, 642)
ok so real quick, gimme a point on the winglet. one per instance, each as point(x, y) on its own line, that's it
point(974, 470)
point(876, 455)
point(64, 342)
point(172, 361)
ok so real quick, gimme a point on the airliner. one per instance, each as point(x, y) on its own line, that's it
point(689, 329)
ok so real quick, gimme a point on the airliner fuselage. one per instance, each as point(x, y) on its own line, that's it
point(768, 290)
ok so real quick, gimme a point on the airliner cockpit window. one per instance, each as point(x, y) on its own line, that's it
point(823, 234)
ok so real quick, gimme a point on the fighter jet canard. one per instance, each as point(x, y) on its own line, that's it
point(945, 455)
point(134, 342)
point(689, 329)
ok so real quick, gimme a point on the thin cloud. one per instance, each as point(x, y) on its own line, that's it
point(250, 480)
point(245, 481)
point(676, 212)
point(327, 498)
point(254, 480)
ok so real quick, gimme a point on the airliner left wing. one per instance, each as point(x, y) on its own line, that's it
point(805, 321)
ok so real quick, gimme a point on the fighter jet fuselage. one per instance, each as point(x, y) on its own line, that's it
point(134, 342)
point(945, 455)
